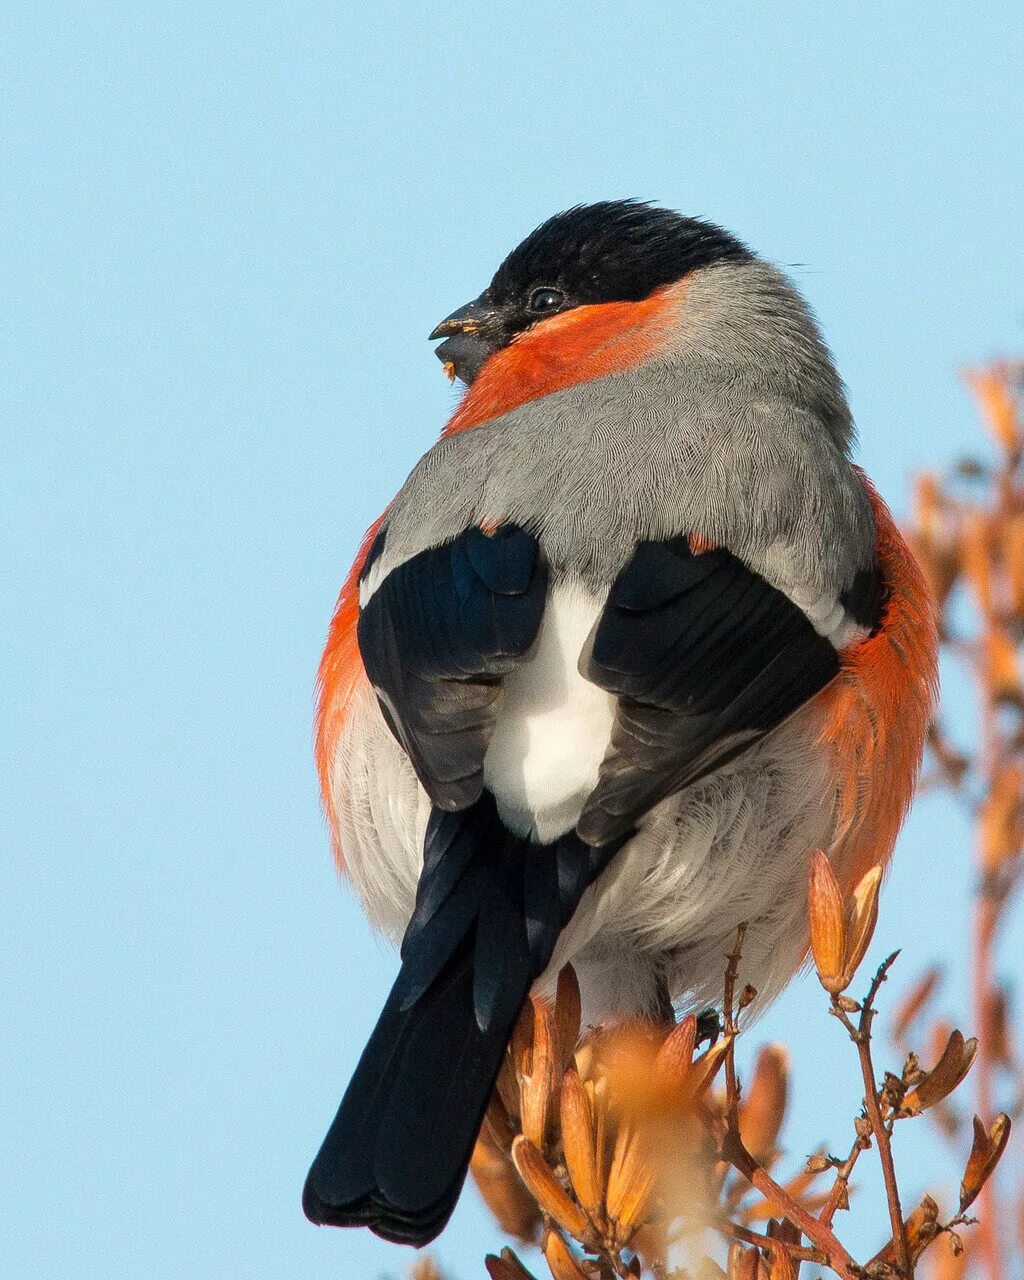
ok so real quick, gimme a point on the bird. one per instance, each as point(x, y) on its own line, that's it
point(634, 639)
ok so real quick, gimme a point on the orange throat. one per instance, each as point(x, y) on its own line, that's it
point(568, 349)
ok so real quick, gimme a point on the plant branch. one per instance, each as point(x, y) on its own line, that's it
point(860, 1034)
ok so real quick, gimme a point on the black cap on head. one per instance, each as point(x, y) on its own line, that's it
point(612, 251)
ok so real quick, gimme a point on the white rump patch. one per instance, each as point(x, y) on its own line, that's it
point(554, 727)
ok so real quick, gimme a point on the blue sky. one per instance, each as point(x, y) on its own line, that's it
point(227, 231)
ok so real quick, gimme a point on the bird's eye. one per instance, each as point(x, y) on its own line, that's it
point(545, 300)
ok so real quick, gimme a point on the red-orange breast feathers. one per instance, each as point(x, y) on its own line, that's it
point(874, 716)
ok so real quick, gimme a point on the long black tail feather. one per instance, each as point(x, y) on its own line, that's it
point(489, 909)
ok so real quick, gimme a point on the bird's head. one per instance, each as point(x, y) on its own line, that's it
point(607, 287)
point(613, 252)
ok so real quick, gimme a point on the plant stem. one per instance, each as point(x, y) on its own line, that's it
point(986, 916)
point(861, 1037)
point(842, 1182)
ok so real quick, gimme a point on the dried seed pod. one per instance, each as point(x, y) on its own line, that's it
point(948, 1257)
point(933, 537)
point(506, 1267)
point(507, 1087)
point(1000, 819)
point(800, 1184)
point(597, 1095)
point(706, 1067)
point(914, 1002)
point(764, 1210)
point(630, 1181)
point(503, 1192)
point(976, 554)
point(744, 1263)
point(863, 917)
point(1000, 1040)
point(1002, 665)
point(425, 1269)
point(828, 923)
point(943, 1078)
point(922, 1227)
point(764, 1106)
point(578, 1144)
point(559, 1258)
point(548, 1191)
point(498, 1126)
point(998, 404)
point(520, 1048)
point(841, 930)
point(537, 1086)
point(782, 1267)
point(568, 1010)
point(986, 1152)
point(1013, 560)
point(675, 1057)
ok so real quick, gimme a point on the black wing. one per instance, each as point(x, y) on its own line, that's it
point(706, 657)
point(436, 638)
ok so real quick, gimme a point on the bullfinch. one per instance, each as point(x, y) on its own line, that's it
point(633, 639)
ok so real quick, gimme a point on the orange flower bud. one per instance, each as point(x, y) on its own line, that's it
point(828, 923)
point(675, 1057)
point(862, 921)
point(916, 998)
point(782, 1267)
point(537, 1085)
point(1000, 819)
point(1002, 665)
point(764, 1106)
point(630, 1182)
point(578, 1144)
point(503, 1192)
point(507, 1267)
point(997, 402)
point(568, 1008)
point(562, 1264)
point(976, 554)
point(547, 1190)
point(943, 1078)
point(986, 1151)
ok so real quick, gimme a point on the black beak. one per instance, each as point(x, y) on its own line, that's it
point(471, 335)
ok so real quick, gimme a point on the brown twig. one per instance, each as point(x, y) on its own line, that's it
point(986, 917)
point(842, 1183)
point(760, 1241)
point(734, 1151)
point(860, 1034)
point(817, 1232)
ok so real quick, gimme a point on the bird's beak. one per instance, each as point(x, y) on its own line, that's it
point(471, 335)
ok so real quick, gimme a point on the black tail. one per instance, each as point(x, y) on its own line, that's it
point(489, 909)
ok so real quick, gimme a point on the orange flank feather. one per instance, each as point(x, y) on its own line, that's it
point(874, 716)
point(339, 675)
